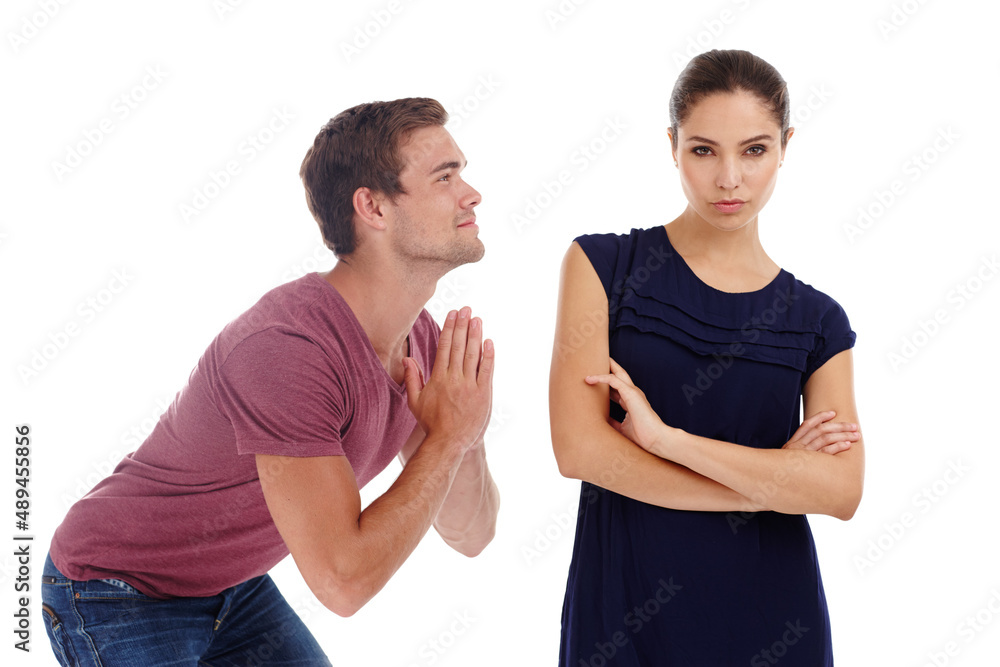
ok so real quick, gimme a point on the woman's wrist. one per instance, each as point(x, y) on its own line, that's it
point(666, 442)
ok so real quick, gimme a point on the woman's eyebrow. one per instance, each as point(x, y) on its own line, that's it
point(759, 137)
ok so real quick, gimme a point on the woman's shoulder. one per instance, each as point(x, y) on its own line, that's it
point(618, 239)
point(614, 253)
point(813, 304)
point(610, 247)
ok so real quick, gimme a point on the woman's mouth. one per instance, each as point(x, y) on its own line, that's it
point(728, 205)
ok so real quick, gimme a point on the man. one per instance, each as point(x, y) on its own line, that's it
point(296, 405)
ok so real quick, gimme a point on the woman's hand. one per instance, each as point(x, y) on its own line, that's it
point(641, 425)
point(819, 434)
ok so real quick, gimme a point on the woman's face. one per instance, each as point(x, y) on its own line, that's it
point(728, 152)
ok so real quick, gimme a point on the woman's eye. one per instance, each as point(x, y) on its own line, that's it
point(756, 150)
point(697, 150)
point(445, 177)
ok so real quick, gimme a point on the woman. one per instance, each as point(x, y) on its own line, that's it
point(692, 547)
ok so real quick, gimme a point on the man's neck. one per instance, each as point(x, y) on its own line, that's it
point(385, 303)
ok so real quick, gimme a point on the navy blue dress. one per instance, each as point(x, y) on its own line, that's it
point(659, 587)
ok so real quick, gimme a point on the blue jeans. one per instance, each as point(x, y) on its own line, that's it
point(107, 622)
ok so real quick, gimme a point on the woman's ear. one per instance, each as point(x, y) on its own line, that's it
point(788, 135)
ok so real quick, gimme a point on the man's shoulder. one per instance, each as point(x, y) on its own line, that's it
point(303, 311)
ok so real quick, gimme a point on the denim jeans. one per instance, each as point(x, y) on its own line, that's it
point(107, 622)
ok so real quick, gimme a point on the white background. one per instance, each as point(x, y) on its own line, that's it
point(867, 100)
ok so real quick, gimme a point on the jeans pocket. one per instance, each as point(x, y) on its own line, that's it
point(57, 636)
point(108, 589)
point(124, 585)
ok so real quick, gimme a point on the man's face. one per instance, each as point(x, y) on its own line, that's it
point(434, 222)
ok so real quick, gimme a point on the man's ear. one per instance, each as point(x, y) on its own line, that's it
point(368, 208)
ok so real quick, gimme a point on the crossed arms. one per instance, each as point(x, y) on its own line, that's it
point(820, 470)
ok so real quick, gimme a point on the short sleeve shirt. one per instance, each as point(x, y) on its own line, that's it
point(295, 375)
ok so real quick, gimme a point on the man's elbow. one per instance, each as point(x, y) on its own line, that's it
point(342, 594)
point(472, 548)
point(472, 541)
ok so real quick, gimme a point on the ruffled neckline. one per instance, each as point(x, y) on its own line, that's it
point(694, 276)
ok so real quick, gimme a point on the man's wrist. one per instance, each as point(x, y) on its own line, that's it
point(445, 446)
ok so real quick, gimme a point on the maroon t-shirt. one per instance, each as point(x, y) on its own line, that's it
point(296, 375)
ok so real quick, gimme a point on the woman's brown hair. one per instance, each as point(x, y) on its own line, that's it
point(729, 71)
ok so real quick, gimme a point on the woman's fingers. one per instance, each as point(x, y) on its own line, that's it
point(619, 371)
point(612, 381)
point(821, 438)
point(835, 448)
point(820, 433)
point(812, 422)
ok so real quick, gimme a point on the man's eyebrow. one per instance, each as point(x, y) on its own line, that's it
point(446, 165)
point(759, 137)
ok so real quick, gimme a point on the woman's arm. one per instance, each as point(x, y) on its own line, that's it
point(800, 478)
point(586, 446)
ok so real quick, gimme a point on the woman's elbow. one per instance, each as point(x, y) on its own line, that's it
point(569, 458)
point(849, 503)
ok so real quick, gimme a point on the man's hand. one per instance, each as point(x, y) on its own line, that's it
point(455, 403)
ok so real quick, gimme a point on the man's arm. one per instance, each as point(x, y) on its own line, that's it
point(346, 555)
point(468, 517)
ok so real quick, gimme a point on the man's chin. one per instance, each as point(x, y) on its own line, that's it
point(472, 255)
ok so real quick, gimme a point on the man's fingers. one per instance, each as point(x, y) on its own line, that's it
point(474, 347)
point(486, 364)
point(459, 341)
point(441, 363)
point(413, 381)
